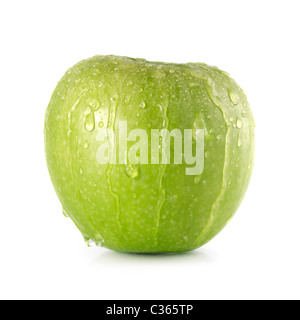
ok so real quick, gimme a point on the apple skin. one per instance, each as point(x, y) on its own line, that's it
point(158, 209)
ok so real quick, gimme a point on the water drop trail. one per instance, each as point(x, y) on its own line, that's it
point(113, 105)
point(211, 90)
point(162, 169)
point(97, 234)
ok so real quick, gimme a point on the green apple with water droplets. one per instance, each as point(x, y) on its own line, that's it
point(145, 207)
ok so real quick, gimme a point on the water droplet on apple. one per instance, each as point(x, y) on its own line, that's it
point(101, 124)
point(87, 110)
point(143, 104)
point(94, 104)
point(134, 195)
point(197, 179)
point(92, 243)
point(239, 123)
point(86, 145)
point(65, 213)
point(244, 113)
point(219, 137)
point(206, 154)
point(114, 98)
point(233, 97)
point(90, 122)
point(127, 99)
point(132, 171)
point(80, 171)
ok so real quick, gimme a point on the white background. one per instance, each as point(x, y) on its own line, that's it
point(42, 254)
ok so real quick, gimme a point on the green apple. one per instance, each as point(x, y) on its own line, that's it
point(154, 207)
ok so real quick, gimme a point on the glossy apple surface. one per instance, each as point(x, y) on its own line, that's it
point(148, 208)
